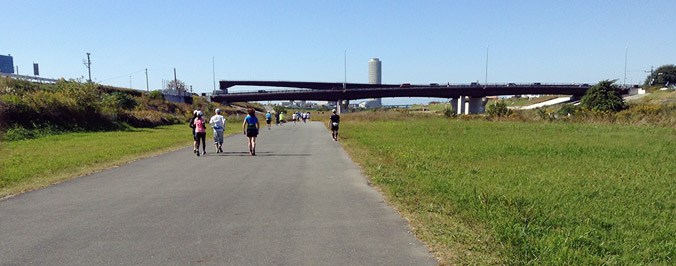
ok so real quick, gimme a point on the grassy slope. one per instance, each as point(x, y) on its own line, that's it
point(658, 97)
point(521, 193)
point(35, 163)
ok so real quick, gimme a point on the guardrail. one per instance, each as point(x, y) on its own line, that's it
point(29, 78)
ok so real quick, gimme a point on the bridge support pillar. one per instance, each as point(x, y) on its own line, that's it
point(342, 106)
point(476, 105)
point(469, 105)
point(458, 105)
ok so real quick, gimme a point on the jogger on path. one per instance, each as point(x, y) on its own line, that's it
point(250, 129)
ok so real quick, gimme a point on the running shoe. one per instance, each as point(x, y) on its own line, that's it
point(198, 153)
point(204, 153)
point(220, 149)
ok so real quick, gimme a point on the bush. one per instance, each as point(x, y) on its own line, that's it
point(603, 96)
point(567, 110)
point(498, 109)
point(121, 100)
point(448, 111)
point(156, 95)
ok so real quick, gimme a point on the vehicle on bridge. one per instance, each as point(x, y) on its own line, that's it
point(405, 85)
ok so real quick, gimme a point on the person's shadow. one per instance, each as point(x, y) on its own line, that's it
point(263, 153)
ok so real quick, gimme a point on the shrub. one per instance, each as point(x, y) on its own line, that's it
point(603, 96)
point(448, 111)
point(567, 110)
point(498, 109)
point(156, 95)
point(122, 100)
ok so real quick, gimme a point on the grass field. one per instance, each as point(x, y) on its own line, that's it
point(35, 163)
point(526, 193)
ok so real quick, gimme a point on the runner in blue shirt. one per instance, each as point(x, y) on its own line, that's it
point(268, 119)
point(250, 129)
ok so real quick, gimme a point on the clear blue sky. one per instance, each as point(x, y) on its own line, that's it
point(417, 41)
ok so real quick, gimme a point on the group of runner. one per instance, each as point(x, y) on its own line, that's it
point(250, 128)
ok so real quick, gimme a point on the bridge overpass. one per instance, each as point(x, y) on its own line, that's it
point(466, 98)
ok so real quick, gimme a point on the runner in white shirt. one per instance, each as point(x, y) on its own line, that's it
point(217, 123)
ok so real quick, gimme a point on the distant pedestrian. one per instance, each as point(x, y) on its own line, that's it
point(217, 123)
point(281, 118)
point(192, 125)
point(334, 121)
point(277, 119)
point(294, 117)
point(250, 129)
point(268, 119)
point(308, 116)
point(200, 133)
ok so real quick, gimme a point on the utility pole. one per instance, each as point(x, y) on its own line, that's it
point(88, 64)
point(129, 82)
point(624, 83)
point(486, 79)
point(345, 65)
point(213, 68)
point(147, 87)
point(175, 80)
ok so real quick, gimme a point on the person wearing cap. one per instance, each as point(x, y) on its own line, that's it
point(250, 129)
point(334, 120)
point(200, 133)
point(217, 123)
point(268, 119)
point(192, 125)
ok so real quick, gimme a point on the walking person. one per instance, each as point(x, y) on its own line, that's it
point(217, 123)
point(250, 129)
point(334, 121)
point(277, 119)
point(281, 118)
point(200, 133)
point(192, 125)
point(293, 116)
point(268, 119)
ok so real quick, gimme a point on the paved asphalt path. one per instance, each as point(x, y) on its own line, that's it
point(300, 201)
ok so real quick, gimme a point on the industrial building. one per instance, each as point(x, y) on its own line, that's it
point(7, 64)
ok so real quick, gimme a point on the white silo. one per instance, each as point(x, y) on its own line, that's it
point(375, 77)
point(375, 71)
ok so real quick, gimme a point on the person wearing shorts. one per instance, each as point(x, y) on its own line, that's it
point(192, 125)
point(250, 129)
point(333, 124)
point(268, 119)
point(217, 123)
point(200, 133)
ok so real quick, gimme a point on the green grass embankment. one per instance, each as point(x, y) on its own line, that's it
point(35, 163)
point(526, 193)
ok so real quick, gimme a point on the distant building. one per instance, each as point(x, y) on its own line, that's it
point(6, 64)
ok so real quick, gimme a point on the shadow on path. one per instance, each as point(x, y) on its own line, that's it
point(242, 153)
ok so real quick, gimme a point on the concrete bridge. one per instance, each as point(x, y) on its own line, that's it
point(466, 99)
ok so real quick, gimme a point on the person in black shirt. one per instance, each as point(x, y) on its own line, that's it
point(333, 124)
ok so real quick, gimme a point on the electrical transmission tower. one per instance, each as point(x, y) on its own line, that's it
point(88, 64)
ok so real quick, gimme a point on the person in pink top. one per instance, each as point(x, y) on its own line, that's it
point(200, 133)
